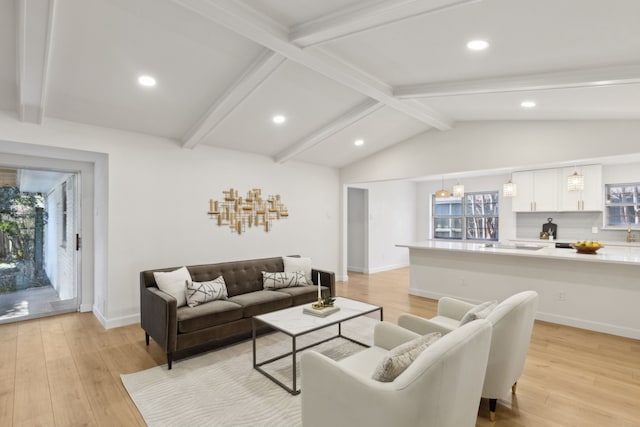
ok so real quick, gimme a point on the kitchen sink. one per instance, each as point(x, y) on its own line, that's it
point(520, 247)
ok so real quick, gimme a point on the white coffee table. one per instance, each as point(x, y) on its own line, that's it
point(293, 322)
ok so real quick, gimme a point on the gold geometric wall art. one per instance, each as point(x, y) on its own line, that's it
point(238, 213)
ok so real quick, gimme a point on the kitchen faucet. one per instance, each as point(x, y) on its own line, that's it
point(630, 237)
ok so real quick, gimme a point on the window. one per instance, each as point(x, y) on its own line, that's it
point(472, 217)
point(622, 205)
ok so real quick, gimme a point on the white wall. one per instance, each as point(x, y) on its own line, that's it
point(392, 220)
point(509, 145)
point(358, 220)
point(158, 196)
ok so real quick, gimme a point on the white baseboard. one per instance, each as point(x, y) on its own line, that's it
point(355, 269)
point(553, 318)
point(387, 268)
point(589, 325)
point(85, 308)
point(117, 321)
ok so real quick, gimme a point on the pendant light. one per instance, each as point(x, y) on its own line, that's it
point(442, 192)
point(458, 190)
point(509, 189)
point(575, 182)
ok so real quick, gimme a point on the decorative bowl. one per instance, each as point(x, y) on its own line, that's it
point(589, 250)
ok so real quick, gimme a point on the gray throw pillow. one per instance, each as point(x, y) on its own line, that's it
point(480, 311)
point(200, 292)
point(399, 358)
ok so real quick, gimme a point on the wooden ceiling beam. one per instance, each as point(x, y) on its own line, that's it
point(33, 51)
point(357, 18)
point(595, 77)
point(254, 26)
point(246, 84)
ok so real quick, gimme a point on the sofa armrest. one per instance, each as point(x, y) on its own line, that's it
point(453, 308)
point(327, 278)
point(420, 325)
point(387, 335)
point(158, 316)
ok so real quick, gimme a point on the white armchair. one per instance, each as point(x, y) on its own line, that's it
point(441, 388)
point(512, 322)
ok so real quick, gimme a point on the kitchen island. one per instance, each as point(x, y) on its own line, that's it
point(599, 292)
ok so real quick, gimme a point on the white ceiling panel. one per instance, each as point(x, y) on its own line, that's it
point(291, 13)
point(101, 47)
point(380, 70)
point(307, 99)
point(8, 97)
point(593, 103)
point(379, 130)
point(526, 37)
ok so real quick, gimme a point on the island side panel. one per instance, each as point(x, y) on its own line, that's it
point(597, 296)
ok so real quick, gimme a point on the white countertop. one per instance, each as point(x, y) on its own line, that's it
point(613, 254)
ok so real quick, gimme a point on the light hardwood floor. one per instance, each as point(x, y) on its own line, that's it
point(65, 370)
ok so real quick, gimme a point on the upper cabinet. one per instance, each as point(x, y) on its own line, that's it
point(546, 190)
point(537, 191)
point(589, 199)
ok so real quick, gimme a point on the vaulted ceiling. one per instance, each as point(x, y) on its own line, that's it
point(338, 70)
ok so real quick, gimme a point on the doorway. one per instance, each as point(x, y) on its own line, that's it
point(358, 230)
point(39, 242)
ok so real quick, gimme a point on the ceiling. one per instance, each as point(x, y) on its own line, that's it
point(339, 70)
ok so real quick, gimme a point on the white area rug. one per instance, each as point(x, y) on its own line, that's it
point(221, 388)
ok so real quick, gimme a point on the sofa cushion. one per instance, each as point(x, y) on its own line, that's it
point(206, 315)
point(304, 294)
point(260, 302)
point(200, 292)
point(174, 283)
point(240, 277)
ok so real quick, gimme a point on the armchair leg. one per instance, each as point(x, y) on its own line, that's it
point(169, 359)
point(492, 409)
point(514, 387)
point(146, 338)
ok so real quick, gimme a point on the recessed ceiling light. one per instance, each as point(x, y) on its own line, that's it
point(358, 142)
point(146, 81)
point(527, 104)
point(478, 45)
point(279, 119)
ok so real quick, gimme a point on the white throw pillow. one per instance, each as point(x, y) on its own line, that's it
point(480, 311)
point(200, 292)
point(174, 283)
point(293, 264)
point(281, 279)
point(399, 358)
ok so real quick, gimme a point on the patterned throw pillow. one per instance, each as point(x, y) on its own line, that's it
point(480, 311)
point(281, 279)
point(200, 292)
point(399, 358)
point(173, 283)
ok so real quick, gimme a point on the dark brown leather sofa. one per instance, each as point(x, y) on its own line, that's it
point(181, 330)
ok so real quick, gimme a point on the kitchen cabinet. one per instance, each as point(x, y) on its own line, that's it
point(537, 191)
point(591, 198)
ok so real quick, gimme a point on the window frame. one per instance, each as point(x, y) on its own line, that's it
point(635, 205)
point(464, 217)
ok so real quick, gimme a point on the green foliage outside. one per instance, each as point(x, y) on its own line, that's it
point(17, 233)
